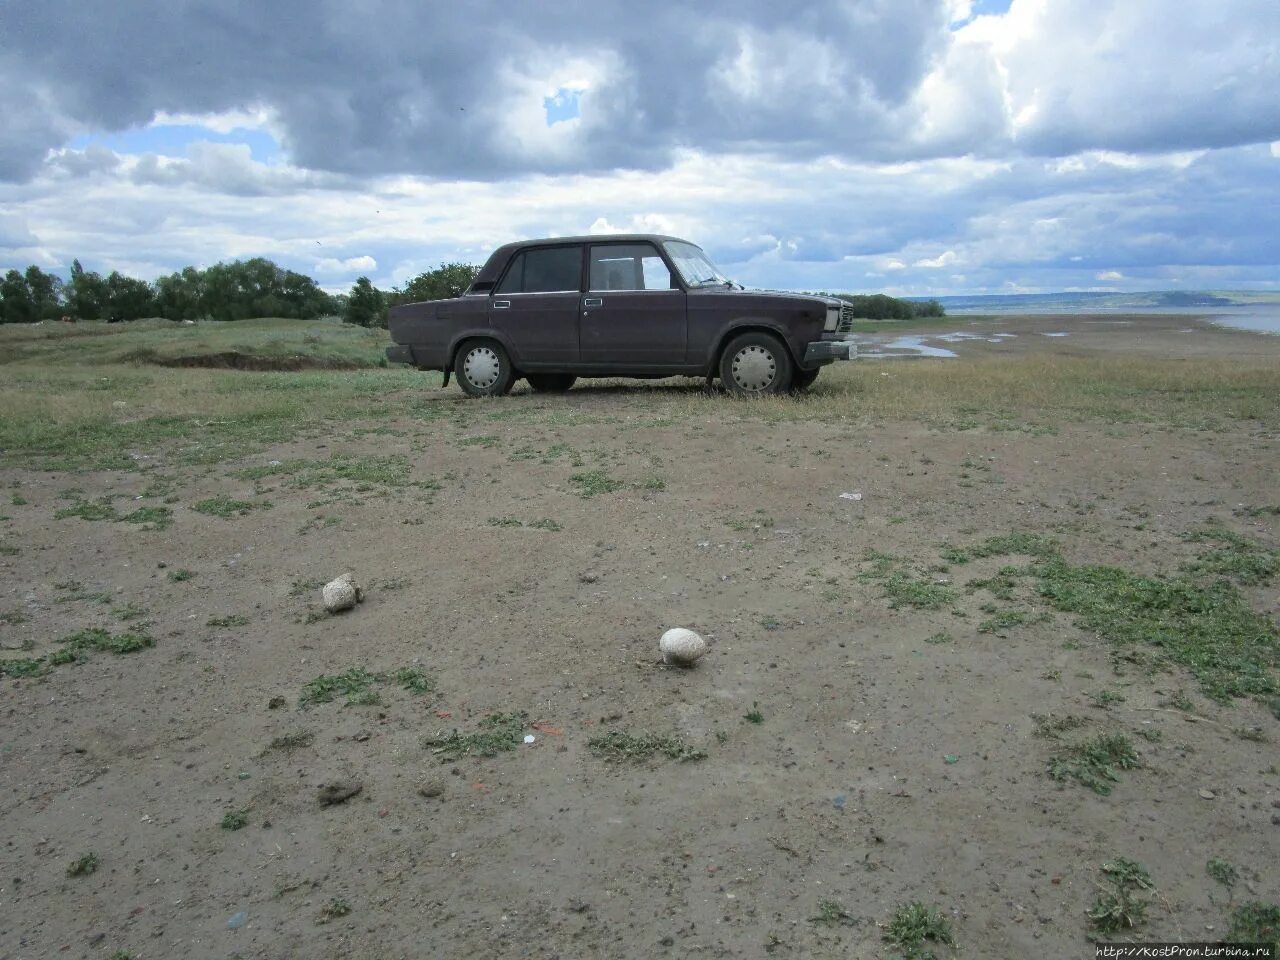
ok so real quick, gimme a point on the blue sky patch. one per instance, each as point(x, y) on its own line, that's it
point(172, 140)
point(562, 105)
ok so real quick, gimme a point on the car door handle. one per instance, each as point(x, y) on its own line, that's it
point(502, 304)
point(593, 302)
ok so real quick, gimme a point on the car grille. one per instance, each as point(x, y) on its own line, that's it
point(846, 318)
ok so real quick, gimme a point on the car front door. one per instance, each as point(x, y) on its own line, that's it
point(536, 304)
point(633, 313)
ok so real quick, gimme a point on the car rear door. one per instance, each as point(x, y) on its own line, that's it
point(536, 304)
point(633, 313)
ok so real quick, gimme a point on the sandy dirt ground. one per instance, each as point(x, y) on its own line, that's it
point(896, 757)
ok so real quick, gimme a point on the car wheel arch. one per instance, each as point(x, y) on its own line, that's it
point(749, 325)
point(481, 333)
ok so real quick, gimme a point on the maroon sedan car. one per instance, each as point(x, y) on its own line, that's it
point(633, 305)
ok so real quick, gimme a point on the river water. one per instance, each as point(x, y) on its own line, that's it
point(1258, 317)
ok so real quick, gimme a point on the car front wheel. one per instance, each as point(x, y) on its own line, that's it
point(756, 364)
point(551, 382)
point(483, 369)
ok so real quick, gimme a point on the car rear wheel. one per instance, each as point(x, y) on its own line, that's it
point(551, 382)
point(756, 364)
point(483, 369)
point(803, 379)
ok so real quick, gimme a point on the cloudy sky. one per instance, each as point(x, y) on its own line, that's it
point(912, 146)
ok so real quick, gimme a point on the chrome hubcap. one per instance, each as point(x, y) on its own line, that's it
point(754, 368)
point(482, 367)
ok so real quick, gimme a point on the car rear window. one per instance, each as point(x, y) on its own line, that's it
point(550, 270)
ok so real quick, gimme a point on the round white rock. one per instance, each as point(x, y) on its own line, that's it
point(342, 594)
point(681, 647)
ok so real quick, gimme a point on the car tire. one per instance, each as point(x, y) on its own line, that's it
point(803, 379)
point(483, 369)
point(756, 364)
point(551, 382)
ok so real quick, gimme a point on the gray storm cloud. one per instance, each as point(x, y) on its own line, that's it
point(454, 90)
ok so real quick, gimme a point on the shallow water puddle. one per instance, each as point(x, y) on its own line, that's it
point(922, 345)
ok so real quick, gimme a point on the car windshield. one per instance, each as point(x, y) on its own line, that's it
point(694, 266)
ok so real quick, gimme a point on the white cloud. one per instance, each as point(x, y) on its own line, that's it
point(225, 121)
point(352, 265)
point(1111, 275)
point(942, 260)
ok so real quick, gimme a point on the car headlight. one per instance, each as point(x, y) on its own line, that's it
point(833, 319)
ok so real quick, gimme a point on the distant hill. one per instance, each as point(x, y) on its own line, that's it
point(1108, 301)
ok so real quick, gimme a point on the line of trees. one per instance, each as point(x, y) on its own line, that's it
point(260, 288)
point(225, 291)
point(367, 306)
point(879, 306)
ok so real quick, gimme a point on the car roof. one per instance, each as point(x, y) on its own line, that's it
point(498, 259)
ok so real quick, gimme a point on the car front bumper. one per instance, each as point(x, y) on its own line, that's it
point(399, 353)
point(824, 351)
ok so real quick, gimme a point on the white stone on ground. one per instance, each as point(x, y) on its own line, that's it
point(681, 647)
point(342, 594)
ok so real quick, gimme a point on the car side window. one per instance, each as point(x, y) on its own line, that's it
point(551, 270)
point(628, 266)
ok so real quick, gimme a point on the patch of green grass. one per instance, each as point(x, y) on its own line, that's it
point(546, 524)
point(594, 482)
point(754, 715)
point(1211, 630)
point(181, 575)
point(938, 639)
point(88, 510)
point(1255, 922)
point(1223, 871)
point(914, 927)
point(18, 500)
point(831, 913)
point(1094, 762)
point(231, 620)
point(235, 820)
point(24, 667)
point(335, 908)
point(484, 440)
point(301, 588)
point(505, 522)
point(350, 684)
point(357, 685)
point(617, 746)
point(223, 506)
point(363, 473)
point(652, 483)
point(152, 518)
point(1030, 544)
point(1122, 907)
point(904, 590)
point(1237, 557)
point(1051, 727)
point(13, 617)
point(83, 866)
point(1253, 734)
point(1273, 510)
point(130, 611)
point(1103, 699)
point(498, 733)
point(414, 679)
point(1007, 619)
point(95, 638)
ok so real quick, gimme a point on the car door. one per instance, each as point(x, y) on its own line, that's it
point(633, 313)
point(536, 304)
